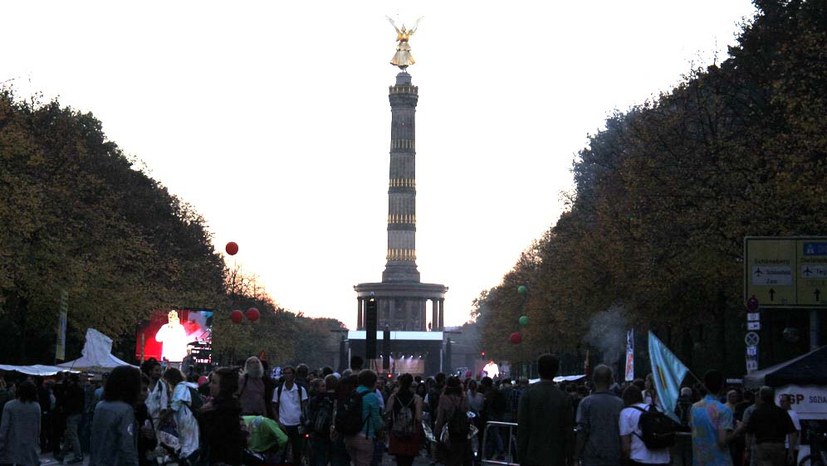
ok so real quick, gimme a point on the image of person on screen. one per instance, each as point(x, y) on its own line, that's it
point(173, 338)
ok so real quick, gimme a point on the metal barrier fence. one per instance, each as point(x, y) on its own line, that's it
point(509, 458)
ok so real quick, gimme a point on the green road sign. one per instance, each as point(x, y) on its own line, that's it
point(786, 271)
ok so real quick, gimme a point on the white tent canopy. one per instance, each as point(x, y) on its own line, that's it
point(36, 370)
point(562, 378)
point(97, 354)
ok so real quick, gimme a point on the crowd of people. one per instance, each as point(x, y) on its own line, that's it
point(613, 424)
point(243, 416)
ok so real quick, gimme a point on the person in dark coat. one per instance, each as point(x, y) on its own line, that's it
point(319, 420)
point(46, 398)
point(73, 405)
point(545, 431)
point(458, 451)
point(146, 438)
point(220, 419)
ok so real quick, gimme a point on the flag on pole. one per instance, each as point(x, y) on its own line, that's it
point(668, 372)
point(630, 356)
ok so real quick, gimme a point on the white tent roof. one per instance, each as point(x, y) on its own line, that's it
point(36, 370)
point(97, 354)
point(561, 378)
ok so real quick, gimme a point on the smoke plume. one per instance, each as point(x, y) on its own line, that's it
point(607, 333)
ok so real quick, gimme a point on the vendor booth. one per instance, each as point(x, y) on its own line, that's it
point(804, 377)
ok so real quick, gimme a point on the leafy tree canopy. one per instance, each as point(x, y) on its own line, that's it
point(666, 193)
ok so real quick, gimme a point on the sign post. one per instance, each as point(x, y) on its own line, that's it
point(751, 339)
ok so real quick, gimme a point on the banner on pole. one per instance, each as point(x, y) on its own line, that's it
point(630, 356)
point(63, 311)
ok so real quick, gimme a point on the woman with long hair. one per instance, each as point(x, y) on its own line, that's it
point(20, 428)
point(404, 409)
point(476, 400)
point(220, 419)
point(181, 408)
point(114, 439)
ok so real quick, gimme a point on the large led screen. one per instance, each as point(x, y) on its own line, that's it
point(171, 334)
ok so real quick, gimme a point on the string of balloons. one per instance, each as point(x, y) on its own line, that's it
point(517, 337)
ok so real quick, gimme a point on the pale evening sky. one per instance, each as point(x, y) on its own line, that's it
point(272, 118)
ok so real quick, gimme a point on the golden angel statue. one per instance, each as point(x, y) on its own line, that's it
point(403, 58)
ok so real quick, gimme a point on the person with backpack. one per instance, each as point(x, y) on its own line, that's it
point(452, 419)
point(319, 421)
point(289, 405)
point(545, 430)
point(359, 419)
point(404, 410)
point(338, 451)
point(181, 408)
point(634, 436)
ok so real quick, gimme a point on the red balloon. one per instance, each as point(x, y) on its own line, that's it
point(237, 316)
point(516, 338)
point(231, 248)
point(253, 314)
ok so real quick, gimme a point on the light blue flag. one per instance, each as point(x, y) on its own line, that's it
point(668, 372)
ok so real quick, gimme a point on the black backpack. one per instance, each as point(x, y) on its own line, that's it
point(458, 424)
point(348, 419)
point(197, 400)
point(657, 430)
point(320, 415)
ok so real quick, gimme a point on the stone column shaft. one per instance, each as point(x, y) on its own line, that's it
point(401, 256)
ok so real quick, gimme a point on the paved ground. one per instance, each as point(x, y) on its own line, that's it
point(387, 460)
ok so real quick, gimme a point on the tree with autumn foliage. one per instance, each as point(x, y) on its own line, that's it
point(666, 193)
point(77, 216)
